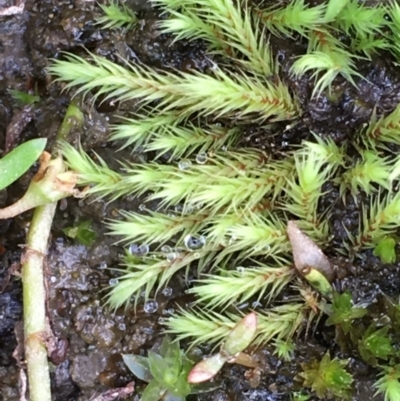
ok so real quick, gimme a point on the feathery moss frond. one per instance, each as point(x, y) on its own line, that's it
point(383, 130)
point(212, 328)
point(231, 287)
point(330, 65)
point(154, 228)
point(370, 169)
point(305, 187)
point(379, 220)
point(389, 383)
point(248, 233)
point(138, 131)
point(148, 273)
point(184, 141)
point(360, 20)
point(103, 180)
point(295, 17)
point(142, 278)
point(227, 27)
point(116, 16)
point(218, 95)
point(394, 25)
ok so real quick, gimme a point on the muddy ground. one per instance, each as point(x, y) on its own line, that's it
point(77, 274)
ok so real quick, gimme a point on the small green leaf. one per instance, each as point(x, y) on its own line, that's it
point(343, 312)
point(153, 392)
point(328, 377)
point(19, 160)
point(139, 366)
point(207, 368)
point(385, 250)
point(161, 371)
point(375, 344)
point(81, 232)
point(241, 336)
point(24, 98)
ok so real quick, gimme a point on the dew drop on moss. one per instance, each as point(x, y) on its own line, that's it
point(194, 242)
point(113, 281)
point(201, 158)
point(167, 291)
point(150, 306)
point(184, 164)
point(139, 250)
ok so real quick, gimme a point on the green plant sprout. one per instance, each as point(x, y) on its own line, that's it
point(328, 377)
point(165, 372)
point(385, 249)
point(23, 98)
point(117, 16)
point(375, 344)
point(389, 383)
point(343, 312)
point(284, 349)
point(81, 232)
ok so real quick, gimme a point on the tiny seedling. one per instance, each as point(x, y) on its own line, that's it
point(23, 98)
point(165, 372)
point(284, 349)
point(343, 312)
point(385, 249)
point(328, 377)
point(375, 344)
point(81, 232)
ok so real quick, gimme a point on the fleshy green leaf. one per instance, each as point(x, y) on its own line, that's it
point(19, 160)
point(153, 392)
point(242, 335)
point(160, 369)
point(139, 366)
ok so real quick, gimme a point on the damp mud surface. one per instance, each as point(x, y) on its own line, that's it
point(92, 337)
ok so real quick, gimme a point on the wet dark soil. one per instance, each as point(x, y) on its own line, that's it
point(77, 274)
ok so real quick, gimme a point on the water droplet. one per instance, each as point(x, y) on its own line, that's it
point(224, 148)
point(232, 240)
point(150, 306)
point(162, 320)
point(103, 265)
point(196, 255)
point(142, 207)
point(184, 164)
point(178, 208)
point(256, 304)
point(166, 249)
point(172, 256)
point(201, 158)
point(240, 269)
point(194, 242)
point(139, 250)
point(167, 291)
point(113, 281)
